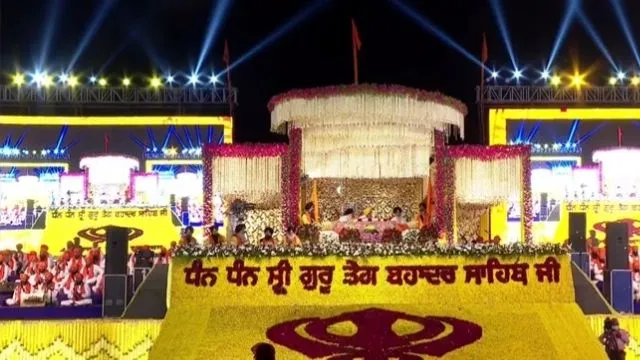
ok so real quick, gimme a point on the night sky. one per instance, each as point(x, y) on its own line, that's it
point(168, 34)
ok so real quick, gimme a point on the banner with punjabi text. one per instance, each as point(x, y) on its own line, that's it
point(326, 308)
point(148, 226)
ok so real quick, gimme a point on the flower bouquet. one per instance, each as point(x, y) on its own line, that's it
point(349, 234)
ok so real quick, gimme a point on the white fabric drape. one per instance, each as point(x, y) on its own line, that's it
point(366, 135)
point(252, 178)
point(488, 182)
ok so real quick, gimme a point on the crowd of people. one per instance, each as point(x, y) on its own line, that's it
point(73, 278)
point(11, 217)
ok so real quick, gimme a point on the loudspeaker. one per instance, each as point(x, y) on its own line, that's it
point(116, 252)
point(172, 200)
point(617, 246)
point(577, 231)
point(544, 206)
point(184, 204)
point(30, 206)
point(114, 301)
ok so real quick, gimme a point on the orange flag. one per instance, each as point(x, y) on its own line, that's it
point(485, 49)
point(357, 44)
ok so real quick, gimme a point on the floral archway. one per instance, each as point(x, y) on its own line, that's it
point(475, 175)
point(263, 175)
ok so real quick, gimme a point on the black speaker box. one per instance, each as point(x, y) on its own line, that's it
point(116, 252)
point(578, 231)
point(617, 246)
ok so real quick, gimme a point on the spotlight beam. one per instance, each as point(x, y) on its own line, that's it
point(496, 6)
point(49, 29)
point(591, 30)
point(427, 25)
point(624, 23)
point(218, 15)
point(101, 14)
point(278, 33)
point(562, 32)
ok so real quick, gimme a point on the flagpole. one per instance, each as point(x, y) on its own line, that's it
point(355, 44)
point(227, 60)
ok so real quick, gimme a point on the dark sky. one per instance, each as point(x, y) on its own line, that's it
point(318, 51)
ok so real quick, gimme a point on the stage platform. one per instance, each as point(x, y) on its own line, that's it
point(50, 312)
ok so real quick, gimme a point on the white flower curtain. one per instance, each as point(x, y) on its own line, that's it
point(488, 181)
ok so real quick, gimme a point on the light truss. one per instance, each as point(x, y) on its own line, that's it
point(12, 95)
point(547, 95)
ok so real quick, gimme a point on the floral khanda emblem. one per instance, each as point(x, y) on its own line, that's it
point(374, 337)
point(98, 235)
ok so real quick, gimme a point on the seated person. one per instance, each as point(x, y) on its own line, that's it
point(48, 289)
point(79, 294)
point(187, 237)
point(5, 270)
point(44, 256)
point(38, 277)
point(239, 237)
point(366, 215)
point(93, 274)
point(77, 259)
point(347, 216)
point(422, 219)
point(291, 239)
point(268, 239)
point(23, 291)
point(398, 219)
point(214, 238)
point(31, 264)
point(308, 217)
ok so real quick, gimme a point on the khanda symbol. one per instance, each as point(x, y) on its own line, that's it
point(374, 337)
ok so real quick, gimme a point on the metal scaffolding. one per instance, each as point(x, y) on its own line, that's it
point(113, 96)
point(546, 95)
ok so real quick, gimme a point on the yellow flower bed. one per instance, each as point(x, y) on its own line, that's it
point(77, 339)
point(461, 320)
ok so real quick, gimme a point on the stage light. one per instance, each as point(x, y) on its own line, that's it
point(170, 79)
point(63, 78)
point(544, 75)
point(72, 80)
point(93, 79)
point(621, 75)
point(102, 82)
point(494, 74)
point(155, 82)
point(635, 80)
point(47, 80)
point(613, 80)
point(517, 74)
point(577, 80)
point(555, 80)
point(18, 79)
point(194, 79)
point(126, 81)
point(213, 79)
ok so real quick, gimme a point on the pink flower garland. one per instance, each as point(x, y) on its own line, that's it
point(445, 178)
point(245, 150)
point(293, 178)
point(207, 183)
point(368, 88)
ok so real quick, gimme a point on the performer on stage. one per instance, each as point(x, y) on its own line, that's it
point(291, 239)
point(214, 238)
point(398, 220)
point(422, 218)
point(93, 274)
point(268, 239)
point(308, 218)
point(239, 237)
point(77, 260)
point(347, 216)
point(5, 270)
point(79, 294)
point(21, 292)
point(44, 256)
point(187, 237)
point(163, 257)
